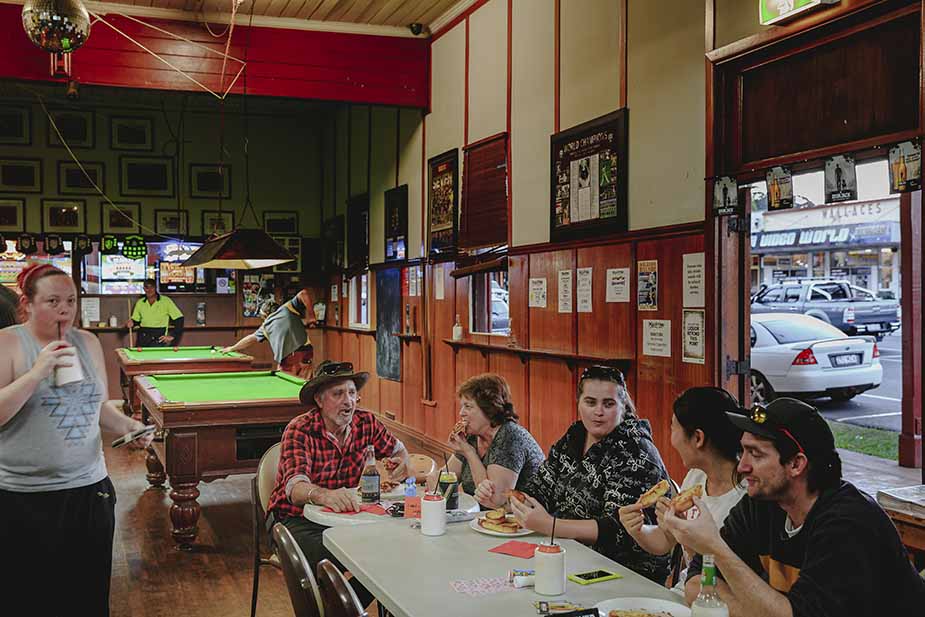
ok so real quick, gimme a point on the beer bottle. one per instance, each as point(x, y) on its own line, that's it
point(369, 480)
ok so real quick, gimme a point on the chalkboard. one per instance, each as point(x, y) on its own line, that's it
point(388, 320)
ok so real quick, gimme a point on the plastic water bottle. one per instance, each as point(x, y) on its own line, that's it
point(708, 602)
point(411, 489)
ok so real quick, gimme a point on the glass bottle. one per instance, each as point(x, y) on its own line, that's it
point(708, 602)
point(457, 330)
point(369, 481)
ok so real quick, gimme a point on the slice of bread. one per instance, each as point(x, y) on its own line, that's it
point(503, 526)
point(649, 498)
point(684, 500)
point(496, 515)
point(515, 494)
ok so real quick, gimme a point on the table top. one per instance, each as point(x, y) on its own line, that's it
point(410, 574)
point(178, 354)
point(316, 514)
point(257, 386)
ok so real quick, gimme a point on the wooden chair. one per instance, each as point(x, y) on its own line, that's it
point(261, 486)
point(423, 466)
point(303, 590)
point(337, 595)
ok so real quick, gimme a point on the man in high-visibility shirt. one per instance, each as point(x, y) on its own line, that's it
point(154, 314)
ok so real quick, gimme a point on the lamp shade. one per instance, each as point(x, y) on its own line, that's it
point(242, 249)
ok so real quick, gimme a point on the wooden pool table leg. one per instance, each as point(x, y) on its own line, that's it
point(156, 476)
point(184, 513)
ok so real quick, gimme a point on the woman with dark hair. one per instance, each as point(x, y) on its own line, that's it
point(709, 445)
point(56, 499)
point(494, 454)
point(9, 302)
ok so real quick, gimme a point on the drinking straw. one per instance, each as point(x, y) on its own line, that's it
point(552, 538)
point(446, 466)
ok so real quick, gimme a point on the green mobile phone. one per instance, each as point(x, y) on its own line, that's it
point(594, 576)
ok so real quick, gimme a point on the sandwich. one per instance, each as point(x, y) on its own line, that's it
point(652, 495)
point(460, 428)
point(684, 500)
point(496, 515)
point(515, 494)
point(504, 525)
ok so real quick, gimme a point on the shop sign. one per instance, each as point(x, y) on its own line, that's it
point(880, 211)
point(869, 233)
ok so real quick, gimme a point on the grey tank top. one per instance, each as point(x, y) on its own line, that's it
point(54, 442)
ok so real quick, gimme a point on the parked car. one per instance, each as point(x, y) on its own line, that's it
point(851, 309)
point(804, 357)
point(500, 317)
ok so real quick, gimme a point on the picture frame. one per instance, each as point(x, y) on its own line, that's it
point(281, 222)
point(333, 243)
point(12, 216)
point(20, 175)
point(146, 176)
point(209, 181)
point(73, 181)
point(293, 244)
point(171, 222)
point(76, 127)
point(64, 216)
point(396, 223)
point(15, 125)
point(217, 222)
point(588, 178)
point(123, 219)
point(133, 133)
point(443, 203)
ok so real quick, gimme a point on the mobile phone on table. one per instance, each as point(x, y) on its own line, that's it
point(121, 441)
point(593, 576)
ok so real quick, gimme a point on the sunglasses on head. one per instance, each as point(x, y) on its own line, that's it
point(759, 415)
point(334, 368)
point(607, 373)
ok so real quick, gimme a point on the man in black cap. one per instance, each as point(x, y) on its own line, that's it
point(803, 542)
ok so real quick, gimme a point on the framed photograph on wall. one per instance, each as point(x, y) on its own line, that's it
point(333, 243)
point(207, 181)
point(443, 200)
point(396, 223)
point(12, 215)
point(171, 222)
point(73, 181)
point(62, 216)
point(131, 133)
point(146, 176)
point(217, 222)
point(20, 175)
point(293, 244)
point(75, 126)
point(588, 167)
point(15, 125)
point(278, 222)
point(120, 218)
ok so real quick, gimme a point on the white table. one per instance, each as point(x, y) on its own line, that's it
point(316, 514)
point(410, 574)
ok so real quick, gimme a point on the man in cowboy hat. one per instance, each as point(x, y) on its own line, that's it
point(803, 542)
point(322, 457)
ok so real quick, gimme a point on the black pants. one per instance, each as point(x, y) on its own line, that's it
point(308, 536)
point(56, 550)
point(148, 337)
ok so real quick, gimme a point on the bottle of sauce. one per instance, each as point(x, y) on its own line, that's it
point(369, 480)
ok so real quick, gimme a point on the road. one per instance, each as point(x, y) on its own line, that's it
point(880, 407)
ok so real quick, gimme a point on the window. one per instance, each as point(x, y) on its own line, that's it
point(835, 291)
point(862, 294)
point(792, 294)
point(818, 294)
point(798, 331)
point(359, 300)
point(775, 294)
point(483, 219)
point(489, 302)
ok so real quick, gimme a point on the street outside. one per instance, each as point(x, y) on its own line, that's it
point(878, 408)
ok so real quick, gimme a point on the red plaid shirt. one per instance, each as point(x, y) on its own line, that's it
point(309, 452)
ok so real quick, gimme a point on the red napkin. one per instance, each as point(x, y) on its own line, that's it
point(371, 508)
point(515, 548)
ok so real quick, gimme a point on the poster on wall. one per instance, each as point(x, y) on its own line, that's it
point(776, 11)
point(565, 291)
point(692, 322)
point(725, 196)
point(841, 182)
point(694, 281)
point(656, 337)
point(618, 285)
point(780, 188)
point(905, 167)
point(396, 223)
point(588, 178)
point(647, 285)
point(583, 290)
point(537, 297)
point(250, 289)
point(444, 202)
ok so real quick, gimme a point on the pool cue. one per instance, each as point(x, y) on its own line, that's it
point(131, 329)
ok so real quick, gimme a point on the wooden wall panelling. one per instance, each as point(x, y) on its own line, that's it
point(334, 345)
point(515, 372)
point(351, 350)
point(367, 362)
point(609, 331)
point(469, 363)
point(319, 347)
point(443, 358)
point(518, 271)
point(549, 329)
point(552, 400)
point(461, 302)
point(390, 399)
point(411, 384)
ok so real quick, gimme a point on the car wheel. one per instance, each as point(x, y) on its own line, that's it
point(843, 395)
point(762, 392)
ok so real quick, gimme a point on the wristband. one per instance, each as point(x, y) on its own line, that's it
point(308, 498)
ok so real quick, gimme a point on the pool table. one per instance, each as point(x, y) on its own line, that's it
point(153, 360)
point(211, 425)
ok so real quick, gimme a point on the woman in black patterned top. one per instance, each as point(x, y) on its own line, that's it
point(605, 460)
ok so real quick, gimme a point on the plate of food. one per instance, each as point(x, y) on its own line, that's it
point(498, 523)
point(642, 607)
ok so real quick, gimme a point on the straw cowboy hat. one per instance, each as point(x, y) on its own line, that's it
point(327, 372)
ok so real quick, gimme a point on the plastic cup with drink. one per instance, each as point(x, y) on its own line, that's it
point(449, 482)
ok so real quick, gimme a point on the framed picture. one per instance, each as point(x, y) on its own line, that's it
point(396, 223)
point(333, 243)
point(15, 126)
point(443, 197)
point(217, 222)
point(171, 222)
point(589, 178)
point(73, 181)
point(12, 215)
point(62, 216)
point(293, 244)
point(75, 127)
point(20, 175)
point(146, 176)
point(120, 218)
point(208, 181)
point(131, 133)
point(281, 223)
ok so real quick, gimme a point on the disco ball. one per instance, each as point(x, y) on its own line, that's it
point(57, 26)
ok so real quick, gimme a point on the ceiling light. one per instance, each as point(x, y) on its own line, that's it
point(242, 249)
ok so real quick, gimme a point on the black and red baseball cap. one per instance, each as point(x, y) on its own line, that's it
point(789, 420)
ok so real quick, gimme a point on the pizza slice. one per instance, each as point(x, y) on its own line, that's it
point(684, 500)
point(652, 495)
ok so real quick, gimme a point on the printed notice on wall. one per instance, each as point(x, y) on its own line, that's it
point(419, 275)
point(583, 290)
point(656, 337)
point(439, 293)
point(345, 288)
point(334, 293)
point(565, 291)
point(537, 293)
point(647, 285)
point(618, 285)
point(692, 321)
point(90, 307)
point(693, 280)
point(412, 282)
